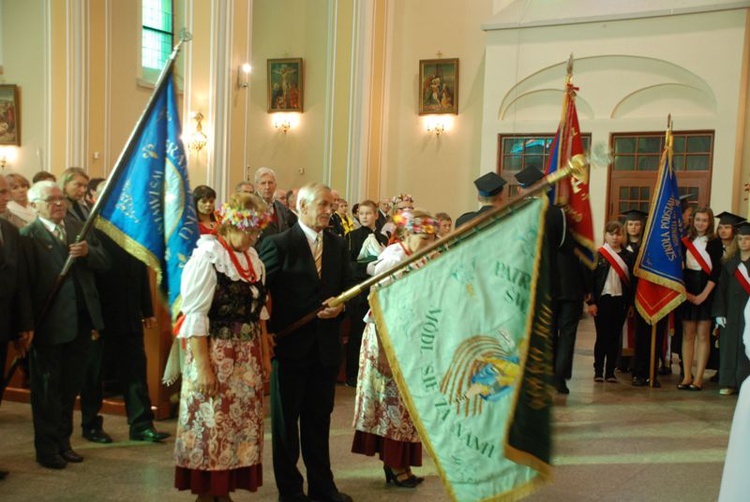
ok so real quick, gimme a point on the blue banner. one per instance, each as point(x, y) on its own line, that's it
point(149, 210)
point(659, 262)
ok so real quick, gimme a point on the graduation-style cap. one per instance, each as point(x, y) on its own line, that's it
point(529, 176)
point(634, 215)
point(726, 218)
point(743, 228)
point(489, 184)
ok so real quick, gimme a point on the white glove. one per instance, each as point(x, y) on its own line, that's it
point(721, 321)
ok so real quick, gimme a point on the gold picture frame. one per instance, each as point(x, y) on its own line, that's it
point(10, 117)
point(285, 85)
point(438, 86)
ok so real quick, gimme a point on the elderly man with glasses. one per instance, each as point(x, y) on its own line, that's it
point(61, 340)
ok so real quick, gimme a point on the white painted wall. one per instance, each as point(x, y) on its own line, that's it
point(631, 74)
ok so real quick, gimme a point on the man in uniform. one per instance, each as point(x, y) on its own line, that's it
point(489, 194)
point(567, 284)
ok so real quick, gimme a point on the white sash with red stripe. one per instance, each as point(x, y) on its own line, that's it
point(742, 277)
point(700, 255)
point(617, 263)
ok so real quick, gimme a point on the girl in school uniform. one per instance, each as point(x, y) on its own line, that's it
point(702, 251)
point(610, 297)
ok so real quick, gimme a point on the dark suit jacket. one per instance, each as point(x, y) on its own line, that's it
point(382, 218)
point(285, 219)
point(568, 280)
point(45, 257)
point(15, 303)
point(296, 290)
point(124, 290)
point(467, 217)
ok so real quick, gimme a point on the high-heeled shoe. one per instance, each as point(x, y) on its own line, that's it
point(410, 481)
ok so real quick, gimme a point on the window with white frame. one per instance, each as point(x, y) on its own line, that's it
point(156, 36)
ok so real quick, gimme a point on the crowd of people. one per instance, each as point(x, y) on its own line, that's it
point(266, 258)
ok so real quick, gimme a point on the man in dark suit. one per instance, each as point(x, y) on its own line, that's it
point(16, 321)
point(305, 267)
point(58, 352)
point(489, 194)
point(384, 208)
point(125, 295)
point(281, 217)
point(567, 282)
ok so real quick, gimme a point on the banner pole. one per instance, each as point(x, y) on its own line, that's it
point(653, 355)
point(185, 36)
point(577, 167)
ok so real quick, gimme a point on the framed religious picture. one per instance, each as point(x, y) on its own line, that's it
point(10, 119)
point(285, 85)
point(438, 86)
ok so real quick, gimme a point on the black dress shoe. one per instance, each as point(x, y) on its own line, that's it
point(562, 388)
point(96, 435)
point(639, 382)
point(71, 456)
point(53, 462)
point(3, 475)
point(150, 434)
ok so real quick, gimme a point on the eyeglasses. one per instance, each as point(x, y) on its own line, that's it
point(52, 200)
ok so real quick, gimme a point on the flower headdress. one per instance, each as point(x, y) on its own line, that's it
point(402, 197)
point(244, 219)
point(421, 225)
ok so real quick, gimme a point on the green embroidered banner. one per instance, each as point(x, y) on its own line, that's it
point(467, 337)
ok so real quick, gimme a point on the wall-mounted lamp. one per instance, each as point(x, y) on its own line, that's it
point(437, 124)
point(283, 122)
point(243, 75)
point(197, 139)
point(7, 155)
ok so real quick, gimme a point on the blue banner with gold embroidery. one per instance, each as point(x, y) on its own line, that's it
point(149, 209)
point(467, 338)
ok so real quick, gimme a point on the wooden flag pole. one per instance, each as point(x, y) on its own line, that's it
point(651, 364)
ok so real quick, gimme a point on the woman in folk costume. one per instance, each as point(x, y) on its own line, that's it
point(399, 203)
point(702, 267)
point(729, 306)
point(219, 441)
point(610, 296)
point(381, 420)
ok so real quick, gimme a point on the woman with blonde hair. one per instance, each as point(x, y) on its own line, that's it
point(219, 442)
point(19, 201)
point(382, 422)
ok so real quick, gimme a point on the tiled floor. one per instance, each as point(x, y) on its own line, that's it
point(612, 442)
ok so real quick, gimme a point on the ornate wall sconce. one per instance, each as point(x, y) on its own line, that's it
point(198, 139)
point(7, 156)
point(437, 124)
point(243, 75)
point(283, 122)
